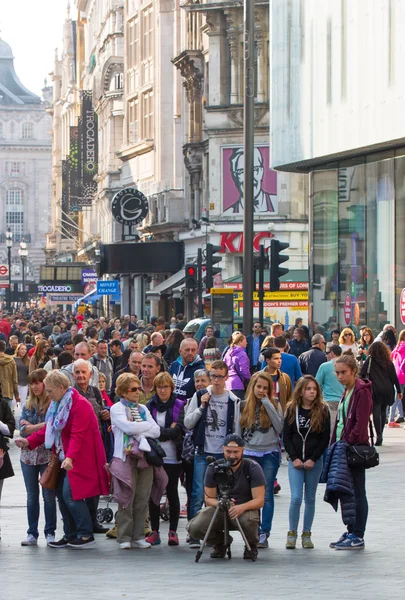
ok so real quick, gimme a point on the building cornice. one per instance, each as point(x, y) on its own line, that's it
point(141, 147)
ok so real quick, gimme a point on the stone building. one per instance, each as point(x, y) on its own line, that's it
point(25, 168)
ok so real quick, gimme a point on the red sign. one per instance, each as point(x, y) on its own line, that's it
point(402, 306)
point(348, 309)
point(4, 285)
point(90, 287)
point(284, 285)
point(3, 270)
point(233, 242)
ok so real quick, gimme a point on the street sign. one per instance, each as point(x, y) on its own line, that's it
point(89, 276)
point(108, 288)
point(3, 270)
point(348, 309)
point(4, 285)
point(64, 298)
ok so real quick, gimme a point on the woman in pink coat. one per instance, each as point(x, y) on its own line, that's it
point(238, 365)
point(72, 432)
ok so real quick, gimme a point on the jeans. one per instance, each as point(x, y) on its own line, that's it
point(31, 474)
point(198, 526)
point(75, 513)
point(270, 464)
point(172, 494)
point(197, 495)
point(92, 505)
point(397, 405)
point(298, 478)
point(360, 498)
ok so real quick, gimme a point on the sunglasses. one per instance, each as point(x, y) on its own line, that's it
point(135, 389)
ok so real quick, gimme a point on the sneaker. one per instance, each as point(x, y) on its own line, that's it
point(153, 539)
point(112, 533)
point(291, 540)
point(141, 544)
point(277, 487)
point(250, 554)
point(218, 551)
point(400, 420)
point(173, 538)
point(340, 540)
point(81, 543)
point(393, 424)
point(263, 541)
point(61, 544)
point(194, 543)
point(352, 542)
point(49, 539)
point(30, 541)
point(125, 545)
point(99, 529)
point(183, 512)
point(306, 540)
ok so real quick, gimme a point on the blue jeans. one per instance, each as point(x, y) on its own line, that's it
point(298, 478)
point(397, 405)
point(197, 495)
point(31, 474)
point(270, 464)
point(75, 513)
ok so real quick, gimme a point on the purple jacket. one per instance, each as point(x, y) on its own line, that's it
point(239, 368)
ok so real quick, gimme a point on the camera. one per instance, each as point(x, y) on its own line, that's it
point(223, 475)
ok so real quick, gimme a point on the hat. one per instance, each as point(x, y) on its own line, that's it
point(235, 439)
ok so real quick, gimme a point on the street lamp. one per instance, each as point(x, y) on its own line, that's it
point(23, 252)
point(9, 244)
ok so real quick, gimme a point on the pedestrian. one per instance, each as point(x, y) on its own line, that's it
point(389, 339)
point(22, 363)
point(168, 412)
point(173, 342)
point(103, 362)
point(289, 362)
point(299, 344)
point(282, 386)
point(39, 355)
point(365, 341)
point(7, 427)
point(72, 431)
point(8, 376)
point(306, 437)
point(352, 426)
point(347, 341)
point(132, 423)
point(101, 387)
point(262, 423)
point(151, 366)
point(35, 462)
point(209, 332)
point(332, 390)
point(254, 344)
point(379, 369)
point(312, 359)
point(238, 365)
point(211, 352)
point(398, 359)
point(182, 370)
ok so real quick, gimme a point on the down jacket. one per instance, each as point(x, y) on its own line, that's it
point(339, 482)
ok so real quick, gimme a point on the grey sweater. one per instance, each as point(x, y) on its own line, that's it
point(257, 440)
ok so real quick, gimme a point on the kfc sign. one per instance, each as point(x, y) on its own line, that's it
point(233, 242)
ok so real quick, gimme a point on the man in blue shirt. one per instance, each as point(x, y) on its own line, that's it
point(254, 343)
point(326, 377)
point(289, 363)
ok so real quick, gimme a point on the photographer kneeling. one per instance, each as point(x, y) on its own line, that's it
point(242, 483)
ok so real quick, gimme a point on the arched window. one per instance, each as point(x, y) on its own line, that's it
point(27, 131)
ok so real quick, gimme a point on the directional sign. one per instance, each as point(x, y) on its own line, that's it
point(3, 270)
point(108, 288)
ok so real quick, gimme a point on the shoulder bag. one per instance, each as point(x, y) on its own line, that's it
point(362, 456)
point(156, 454)
point(49, 478)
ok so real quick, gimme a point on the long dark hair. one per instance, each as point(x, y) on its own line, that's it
point(379, 352)
point(319, 408)
point(389, 339)
point(175, 338)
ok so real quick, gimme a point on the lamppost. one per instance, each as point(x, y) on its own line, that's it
point(9, 244)
point(23, 252)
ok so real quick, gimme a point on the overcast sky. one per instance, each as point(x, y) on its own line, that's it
point(33, 29)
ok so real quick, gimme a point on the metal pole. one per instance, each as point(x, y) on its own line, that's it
point(248, 131)
point(261, 283)
point(9, 278)
point(23, 283)
point(199, 282)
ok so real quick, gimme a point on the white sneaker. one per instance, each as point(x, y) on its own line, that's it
point(30, 541)
point(125, 545)
point(49, 539)
point(141, 544)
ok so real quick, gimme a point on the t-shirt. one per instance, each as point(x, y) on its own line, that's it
point(169, 447)
point(241, 488)
point(216, 421)
point(343, 406)
point(276, 386)
point(304, 420)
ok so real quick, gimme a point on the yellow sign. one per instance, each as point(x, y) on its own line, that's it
point(276, 295)
point(221, 291)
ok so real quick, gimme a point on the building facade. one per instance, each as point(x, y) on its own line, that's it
point(25, 168)
point(337, 114)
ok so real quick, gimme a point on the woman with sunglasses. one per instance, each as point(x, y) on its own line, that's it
point(168, 412)
point(347, 341)
point(131, 423)
point(365, 341)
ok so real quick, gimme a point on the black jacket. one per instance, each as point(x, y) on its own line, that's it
point(311, 360)
point(7, 417)
point(315, 445)
point(383, 379)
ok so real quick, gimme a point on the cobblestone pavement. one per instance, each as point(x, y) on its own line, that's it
point(106, 572)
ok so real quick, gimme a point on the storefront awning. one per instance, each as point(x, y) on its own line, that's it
point(167, 286)
point(89, 298)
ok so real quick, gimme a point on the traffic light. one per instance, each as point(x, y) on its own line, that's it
point(212, 260)
point(276, 259)
point(191, 278)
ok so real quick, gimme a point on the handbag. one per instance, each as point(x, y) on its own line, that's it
point(49, 478)
point(155, 455)
point(362, 456)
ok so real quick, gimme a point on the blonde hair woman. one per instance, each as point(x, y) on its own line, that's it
point(347, 341)
point(22, 363)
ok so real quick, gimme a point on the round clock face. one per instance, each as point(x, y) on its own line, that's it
point(129, 206)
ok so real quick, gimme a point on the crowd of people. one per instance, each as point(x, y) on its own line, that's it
point(136, 409)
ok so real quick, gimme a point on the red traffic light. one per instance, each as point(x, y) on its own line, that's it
point(191, 271)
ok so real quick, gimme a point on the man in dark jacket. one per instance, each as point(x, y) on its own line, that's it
point(182, 370)
point(254, 344)
point(311, 360)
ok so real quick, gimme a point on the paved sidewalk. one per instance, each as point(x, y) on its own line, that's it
point(105, 572)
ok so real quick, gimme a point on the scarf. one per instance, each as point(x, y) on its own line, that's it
point(56, 419)
point(133, 414)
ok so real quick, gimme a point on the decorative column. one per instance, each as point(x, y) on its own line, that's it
point(232, 34)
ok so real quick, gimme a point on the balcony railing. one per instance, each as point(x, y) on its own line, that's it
point(17, 238)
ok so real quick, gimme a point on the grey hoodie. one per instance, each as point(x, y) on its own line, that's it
point(258, 440)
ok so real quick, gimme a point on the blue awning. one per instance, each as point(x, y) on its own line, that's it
point(89, 298)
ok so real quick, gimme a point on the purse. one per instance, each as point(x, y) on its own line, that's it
point(49, 478)
point(362, 456)
point(155, 455)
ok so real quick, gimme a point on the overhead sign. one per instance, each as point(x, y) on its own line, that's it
point(43, 289)
point(89, 276)
point(90, 287)
point(348, 309)
point(108, 288)
point(3, 270)
point(129, 206)
point(233, 242)
point(64, 298)
point(284, 285)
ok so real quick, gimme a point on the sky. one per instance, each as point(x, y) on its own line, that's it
point(33, 29)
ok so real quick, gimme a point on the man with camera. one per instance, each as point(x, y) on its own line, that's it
point(238, 485)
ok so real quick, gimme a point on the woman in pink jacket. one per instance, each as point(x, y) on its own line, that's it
point(398, 359)
point(72, 432)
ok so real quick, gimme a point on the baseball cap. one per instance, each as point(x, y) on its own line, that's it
point(233, 438)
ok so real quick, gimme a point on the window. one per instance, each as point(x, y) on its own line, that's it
point(133, 121)
point(27, 131)
point(15, 220)
point(147, 16)
point(15, 197)
point(1, 130)
point(147, 110)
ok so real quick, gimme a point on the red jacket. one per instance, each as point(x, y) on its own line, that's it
point(82, 443)
point(356, 429)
